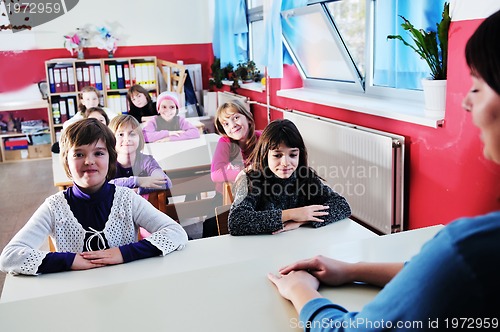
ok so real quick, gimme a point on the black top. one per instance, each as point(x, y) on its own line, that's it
point(138, 113)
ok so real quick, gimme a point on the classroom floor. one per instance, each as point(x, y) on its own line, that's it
point(24, 187)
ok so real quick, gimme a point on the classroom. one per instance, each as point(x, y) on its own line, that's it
point(327, 69)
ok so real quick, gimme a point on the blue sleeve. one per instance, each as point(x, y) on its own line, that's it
point(434, 284)
point(57, 262)
point(139, 250)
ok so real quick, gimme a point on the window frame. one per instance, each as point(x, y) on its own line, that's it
point(399, 104)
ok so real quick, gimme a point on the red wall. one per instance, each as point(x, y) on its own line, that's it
point(20, 69)
point(447, 176)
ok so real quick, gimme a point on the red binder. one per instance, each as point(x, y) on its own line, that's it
point(71, 78)
point(57, 79)
point(64, 80)
point(106, 76)
point(126, 75)
point(79, 77)
point(86, 76)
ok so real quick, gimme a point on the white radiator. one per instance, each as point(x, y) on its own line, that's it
point(363, 165)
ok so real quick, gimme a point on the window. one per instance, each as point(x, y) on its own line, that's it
point(256, 33)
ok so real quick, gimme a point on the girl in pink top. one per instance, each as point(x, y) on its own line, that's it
point(237, 127)
point(168, 125)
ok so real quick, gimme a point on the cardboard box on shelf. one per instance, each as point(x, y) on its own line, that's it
point(16, 154)
point(39, 151)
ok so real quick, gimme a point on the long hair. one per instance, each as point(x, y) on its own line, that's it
point(279, 132)
point(136, 88)
point(260, 176)
point(483, 49)
point(227, 109)
point(82, 108)
point(128, 120)
point(85, 132)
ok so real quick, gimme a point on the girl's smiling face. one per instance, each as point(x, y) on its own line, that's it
point(89, 165)
point(127, 140)
point(283, 161)
point(167, 110)
point(235, 125)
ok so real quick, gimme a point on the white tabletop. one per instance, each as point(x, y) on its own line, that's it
point(213, 284)
point(172, 156)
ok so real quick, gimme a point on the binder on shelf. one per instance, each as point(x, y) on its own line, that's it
point(123, 103)
point(126, 75)
point(91, 76)
point(52, 84)
point(86, 76)
point(63, 109)
point(112, 77)
point(64, 80)
point(98, 77)
point(71, 79)
point(56, 114)
point(79, 78)
point(57, 79)
point(120, 82)
point(71, 107)
point(151, 74)
point(133, 74)
point(106, 77)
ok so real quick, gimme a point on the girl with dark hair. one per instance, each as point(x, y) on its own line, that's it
point(140, 104)
point(280, 192)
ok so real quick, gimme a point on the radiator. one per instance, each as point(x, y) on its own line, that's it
point(363, 165)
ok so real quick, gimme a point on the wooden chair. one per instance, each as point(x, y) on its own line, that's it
point(173, 74)
point(222, 215)
point(189, 184)
point(227, 193)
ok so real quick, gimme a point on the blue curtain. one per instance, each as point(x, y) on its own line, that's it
point(276, 53)
point(397, 65)
point(230, 42)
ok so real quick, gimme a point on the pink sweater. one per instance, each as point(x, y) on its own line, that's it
point(152, 135)
point(223, 169)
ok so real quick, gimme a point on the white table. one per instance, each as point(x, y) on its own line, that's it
point(213, 284)
point(175, 158)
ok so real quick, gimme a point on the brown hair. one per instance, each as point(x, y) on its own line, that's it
point(128, 120)
point(236, 106)
point(85, 132)
point(87, 88)
point(98, 110)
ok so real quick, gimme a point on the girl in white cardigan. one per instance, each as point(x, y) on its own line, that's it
point(93, 223)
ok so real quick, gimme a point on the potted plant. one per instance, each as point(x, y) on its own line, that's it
point(431, 46)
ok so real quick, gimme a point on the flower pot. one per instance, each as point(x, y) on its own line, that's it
point(79, 54)
point(110, 54)
point(435, 97)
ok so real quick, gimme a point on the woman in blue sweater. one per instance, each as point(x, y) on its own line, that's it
point(455, 277)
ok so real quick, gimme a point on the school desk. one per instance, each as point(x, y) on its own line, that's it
point(214, 284)
point(177, 159)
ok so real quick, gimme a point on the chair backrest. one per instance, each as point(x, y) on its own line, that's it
point(197, 203)
point(222, 215)
point(173, 74)
point(227, 193)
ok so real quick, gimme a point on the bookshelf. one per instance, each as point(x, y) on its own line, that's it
point(14, 145)
point(112, 77)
